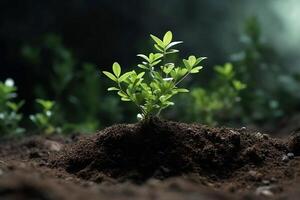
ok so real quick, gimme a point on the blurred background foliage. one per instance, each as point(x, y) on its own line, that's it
point(55, 50)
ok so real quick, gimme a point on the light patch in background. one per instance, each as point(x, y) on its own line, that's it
point(289, 13)
point(280, 26)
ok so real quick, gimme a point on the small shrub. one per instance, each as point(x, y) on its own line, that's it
point(9, 110)
point(209, 105)
point(73, 84)
point(44, 119)
point(152, 89)
point(272, 90)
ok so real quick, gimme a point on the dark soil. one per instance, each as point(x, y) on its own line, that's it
point(152, 160)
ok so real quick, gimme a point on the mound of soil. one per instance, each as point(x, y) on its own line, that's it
point(153, 160)
point(161, 149)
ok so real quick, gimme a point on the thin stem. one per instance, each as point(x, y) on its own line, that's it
point(159, 111)
point(164, 62)
point(175, 84)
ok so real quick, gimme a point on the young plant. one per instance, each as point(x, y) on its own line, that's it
point(9, 110)
point(211, 104)
point(152, 88)
point(44, 119)
point(71, 83)
point(270, 92)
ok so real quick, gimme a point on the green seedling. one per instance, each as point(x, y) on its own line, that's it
point(44, 119)
point(209, 105)
point(9, 110)
point(152, 88)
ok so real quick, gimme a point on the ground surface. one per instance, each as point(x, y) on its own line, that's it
point(153, 160)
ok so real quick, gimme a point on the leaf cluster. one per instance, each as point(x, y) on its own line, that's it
point(44, 119)
point(9, 109)
point(152, 87)
point(209, 104)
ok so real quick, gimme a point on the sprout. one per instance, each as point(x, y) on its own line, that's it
point(152, 89)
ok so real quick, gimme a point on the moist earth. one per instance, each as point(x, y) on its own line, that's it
point(155, 159)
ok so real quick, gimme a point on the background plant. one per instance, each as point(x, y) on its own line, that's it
point(153, 93)
point(73, 85)
point(10, 117)
point(272, 90)
point(44, 120)
point(104, 31)
point(212, 104)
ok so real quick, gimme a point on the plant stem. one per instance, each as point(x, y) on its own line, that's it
point(175, 84)
point(159, 111)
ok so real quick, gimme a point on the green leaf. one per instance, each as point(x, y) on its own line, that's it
point(173, 44)
point(125, 99)
point(142, 66)
point(156, 62)
point(183, 90)
point(113, 89)
point(158, 56)
point(111, 76)
point(164, 98)
point(238, 85)
point(200, 59)
point(46, 104)
point(122, 94)
point(192, 60)
point(130, 93)
point(169, 103)
point(168, 68)
point(187, 64)
point(124, 76)
point(141, 75)
point(226, 71)
point(12, 105)
point(116, 69)
point(143, 56)
point(159, 48)
point(15, 106)
point(168, 38)
point(172, 51)
point(168, 79)
point(158, 41)
point(196, 69)
point(182, 71)
point(151, 57)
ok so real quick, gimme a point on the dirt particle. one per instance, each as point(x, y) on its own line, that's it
point(285, 158)
point(274, 180)
point(53, 145)
point(259, 135)
point(254, 175)
point(266, 136)
point(266, 182)
point(290, 156)
point(253, 155)
point(243, 128)
point(264, 191)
